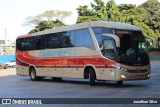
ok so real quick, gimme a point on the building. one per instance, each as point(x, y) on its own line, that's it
point(7, 49)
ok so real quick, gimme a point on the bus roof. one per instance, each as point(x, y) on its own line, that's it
point(108, 24)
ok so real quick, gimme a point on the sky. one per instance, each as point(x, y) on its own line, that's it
point(14, 12)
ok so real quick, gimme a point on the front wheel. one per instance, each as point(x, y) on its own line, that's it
point(119, 82)
point(56, 79)
point(92, 77)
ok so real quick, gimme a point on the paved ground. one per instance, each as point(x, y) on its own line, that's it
point(22, 87)
point(7, 72)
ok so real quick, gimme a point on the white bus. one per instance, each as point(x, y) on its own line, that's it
point(96, 50)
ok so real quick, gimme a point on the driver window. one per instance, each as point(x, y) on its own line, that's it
point(108, 49)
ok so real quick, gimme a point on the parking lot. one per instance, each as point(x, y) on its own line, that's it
point(13, 86)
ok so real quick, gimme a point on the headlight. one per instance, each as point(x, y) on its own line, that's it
point(122, 69)
point(118, 67)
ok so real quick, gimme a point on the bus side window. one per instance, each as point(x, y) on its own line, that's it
point(83, 39)
point(66, 42)
point(53, 41)
point(73, 38)
point(38, 42)
point(68, 39)
point(20, 44)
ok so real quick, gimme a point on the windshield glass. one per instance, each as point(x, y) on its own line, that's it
point(108, 49)
point(133, 48)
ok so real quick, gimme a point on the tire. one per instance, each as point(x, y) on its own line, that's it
point(33, 75)
point(56, 79)
point(40, 78)
point(92, 77)
point(119, 82)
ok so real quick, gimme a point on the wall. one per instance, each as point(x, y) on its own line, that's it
point(6, 58)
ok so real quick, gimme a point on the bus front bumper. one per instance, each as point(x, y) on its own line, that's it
point(132, 75)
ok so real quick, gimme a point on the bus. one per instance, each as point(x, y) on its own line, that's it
point(96, 50)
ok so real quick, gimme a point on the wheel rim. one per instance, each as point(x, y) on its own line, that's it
point(33, 74)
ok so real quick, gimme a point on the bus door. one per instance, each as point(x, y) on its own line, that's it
point(108, 50)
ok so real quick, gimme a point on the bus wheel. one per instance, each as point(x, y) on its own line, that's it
point(56, 79)
point(92, 77)
point(119, 82)
point(33, 74)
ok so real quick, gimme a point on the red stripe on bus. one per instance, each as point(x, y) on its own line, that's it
point(24, 59)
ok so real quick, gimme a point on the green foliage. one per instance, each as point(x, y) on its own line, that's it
point(145, 16)
point(152, 15)
point(112, 11)
point(46, 20)
point(145, 29)
point(125, 7)
point(44, 25)
point(2, 41)
point(86, 14)
point(100, 9)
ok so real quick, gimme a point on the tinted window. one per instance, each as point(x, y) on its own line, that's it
point(68, 39)
point(38, 43)
point(79, 38)
point(83, 39)
point(25, 44)
point(108, 49)
point(98, 31)
point(19, 44)
point(73, 38)
point(102, 30)
point(53, 40)
point(30, 43)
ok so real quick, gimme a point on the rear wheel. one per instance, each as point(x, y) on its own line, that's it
point(92, 77)
point(33, 75)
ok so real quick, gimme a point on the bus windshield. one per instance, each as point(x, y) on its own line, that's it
point(133, 48)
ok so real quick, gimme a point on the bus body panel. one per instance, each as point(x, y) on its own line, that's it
point(107, 73)
point(71, 62)
point(65, 66)
point(22, 70)
point(134, 73)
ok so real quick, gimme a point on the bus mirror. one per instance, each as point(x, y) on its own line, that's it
point(115, 37)
point(101, 47)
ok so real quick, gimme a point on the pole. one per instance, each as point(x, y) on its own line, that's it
point(5, 35)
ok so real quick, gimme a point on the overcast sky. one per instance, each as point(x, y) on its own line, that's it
point(14, 12)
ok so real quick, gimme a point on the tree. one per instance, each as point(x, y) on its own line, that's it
point(112, 11)
point(99, 9)
point(127, 13)
point(47, 16)
point(44, 25)
point(46, 20)
point(145, 29)
point(152, 15)
point(125, 7)
point(85, 14)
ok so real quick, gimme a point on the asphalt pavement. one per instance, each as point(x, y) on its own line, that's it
point(13, 86)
